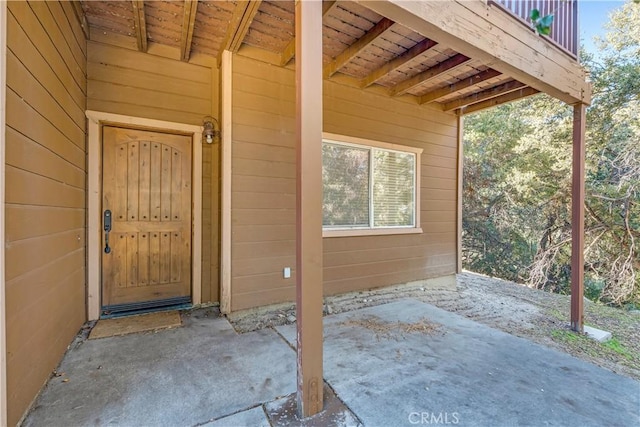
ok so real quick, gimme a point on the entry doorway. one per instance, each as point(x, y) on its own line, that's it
point(146, 202)
point(127, 288)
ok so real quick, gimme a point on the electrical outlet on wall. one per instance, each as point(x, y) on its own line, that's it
point(287, 272)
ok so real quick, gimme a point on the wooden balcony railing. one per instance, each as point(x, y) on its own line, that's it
point(564, 31)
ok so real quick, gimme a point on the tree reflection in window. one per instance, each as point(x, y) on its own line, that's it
point(367, 187)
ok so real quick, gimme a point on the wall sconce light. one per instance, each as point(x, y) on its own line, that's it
point(209, 132)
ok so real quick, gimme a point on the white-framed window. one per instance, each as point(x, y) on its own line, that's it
point(369, 187)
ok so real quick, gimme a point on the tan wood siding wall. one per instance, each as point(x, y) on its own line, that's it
point(263, 188)
point(45, 193)
point(122, 81)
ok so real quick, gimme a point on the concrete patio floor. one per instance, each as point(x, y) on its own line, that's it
point(399, 364)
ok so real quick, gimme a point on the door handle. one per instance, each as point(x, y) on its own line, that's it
point(106, 217)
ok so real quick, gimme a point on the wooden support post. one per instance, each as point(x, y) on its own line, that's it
point(577, 218)
point(309, 205)
point(460, 175)
point(226, 108)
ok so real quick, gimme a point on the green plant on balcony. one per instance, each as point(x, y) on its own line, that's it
point(543, 24)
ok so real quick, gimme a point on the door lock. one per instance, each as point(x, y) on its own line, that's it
point(107, 228)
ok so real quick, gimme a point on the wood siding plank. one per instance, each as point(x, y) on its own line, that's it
point(34, 221)
point(29, 56)
point(78, 23)
point(151, 64)
point(146, 111)
point(132, 95)
point(131, 83)
point(107, 73)
point(67, 30)
point(20, 255)
point(29, 189)
point(51, 22)
point(263, 188)
point(20, 80)
point(45, 203)
point(22, 118)
point(26, 154)
point(38, 34)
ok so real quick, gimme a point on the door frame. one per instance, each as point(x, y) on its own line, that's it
point(96, 120)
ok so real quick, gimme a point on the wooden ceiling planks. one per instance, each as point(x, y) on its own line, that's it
point(358, 46)
point(239, 25)
point(343, 27)
point(475, 89)
point(356, 68)
point(290, 50)
point(357, 42)
point(164, 21)
point(265, 33)
point(429, 74)
point(459, 86)
point(503, 99)
point(356, 9)
point(448, 77)
point(210, 26)
point(110, 17)
point(428, 59)
point(494, 92)
point(273, 26)
point(397, 62)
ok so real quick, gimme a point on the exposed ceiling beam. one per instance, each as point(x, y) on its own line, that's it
point(188, 23)
point(458, 86)
point(239, 25)
point(503, 99)
point(489, 35)
point(289, 52)
point(493, 92)
point(397, 62)
point(140, 24)
point(358, 46)
point(430, 74)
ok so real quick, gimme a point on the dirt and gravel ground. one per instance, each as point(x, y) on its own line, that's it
point(528, 313)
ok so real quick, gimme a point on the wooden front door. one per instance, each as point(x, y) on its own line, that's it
point(147, 187)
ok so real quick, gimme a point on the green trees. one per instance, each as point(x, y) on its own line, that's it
point(517, 172)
